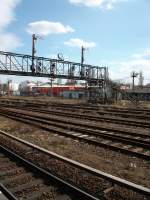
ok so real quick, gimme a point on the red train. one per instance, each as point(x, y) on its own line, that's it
point(55, 90)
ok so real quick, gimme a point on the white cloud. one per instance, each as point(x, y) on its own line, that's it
point(47, 27)
point(121, 70)
point(76, 42)
point(8, 41)
point(7, 12)
point(88, 3)
point(144, 55)
point(106, 4)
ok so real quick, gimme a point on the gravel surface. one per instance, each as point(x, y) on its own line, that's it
point(67, 172)
point(129, 168)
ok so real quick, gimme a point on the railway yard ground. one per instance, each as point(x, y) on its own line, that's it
point(80, 151)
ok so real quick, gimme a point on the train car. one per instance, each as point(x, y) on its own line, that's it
point(54, 90)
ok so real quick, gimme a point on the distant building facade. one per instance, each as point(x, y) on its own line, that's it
point(139, 93)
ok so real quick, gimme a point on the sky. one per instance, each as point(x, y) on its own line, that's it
point(116, 33)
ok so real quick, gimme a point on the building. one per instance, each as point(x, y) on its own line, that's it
point(25, 88)
point(139, 93)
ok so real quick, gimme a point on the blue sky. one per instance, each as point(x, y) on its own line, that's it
point(116, 32)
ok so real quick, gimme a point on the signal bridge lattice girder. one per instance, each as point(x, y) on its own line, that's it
point(22, 65)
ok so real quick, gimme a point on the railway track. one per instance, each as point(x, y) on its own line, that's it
point(143, 114)
point(136, 135)
point(131, 123)
point(20, 179)
point(139, 147)
point(46, 170)
point(78, 106)
point(102, 111)
point(103, 118)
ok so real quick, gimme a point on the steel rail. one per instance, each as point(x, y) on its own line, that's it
point(75, 126)
point(103, 111)
point(120, 120)
point(96, 108)
point(115, 180)
point(99, 111)
point(73, 135)
point(90, 128)
point(64, 186)
point(7, 193)
point(82, 106)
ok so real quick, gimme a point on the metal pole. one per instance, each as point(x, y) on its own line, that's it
point(82, 61)
point(51, 87)
point(134, 75)
point(34, 38)
point(82, 55)
point(133, 82)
